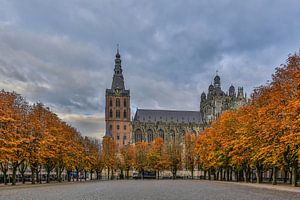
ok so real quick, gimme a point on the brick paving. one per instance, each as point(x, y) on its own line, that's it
point(149, 189)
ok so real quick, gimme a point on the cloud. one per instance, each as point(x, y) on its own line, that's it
point(62, 52)
point(91, 124)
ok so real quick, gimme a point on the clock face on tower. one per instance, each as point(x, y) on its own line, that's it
point(117, 92)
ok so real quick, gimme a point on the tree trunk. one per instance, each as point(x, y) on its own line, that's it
point(127, 174)
point(91, 174)
point(271, 175)
point(77, 174)
point(15, 167)
point(60, 173)
point(294, 174)
point(48, 176)
point(112, 174)
point(221, 174)
point(274, 172)
point(97, 174)
point(32, 175)
point(5, 177)
point(69, 175)
point(245, 175)
point(237, 176)
point(227, 174)
point(22, 169)
point(214, 174)
point(258, 175)
point(285, 175)
point(100, 174)
point(37, 175)
point(23, 177)
point(41, 178)
point(204, 176)
point(4, 169)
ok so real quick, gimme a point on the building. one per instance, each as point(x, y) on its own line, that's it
point(149, 124)
point(167, 124)
point(216, 101)
point(117, 107)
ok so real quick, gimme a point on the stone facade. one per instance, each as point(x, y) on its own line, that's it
point(167, 124)
point(216, 101)
point(117, 107)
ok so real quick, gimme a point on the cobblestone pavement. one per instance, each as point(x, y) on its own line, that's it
point(147, 189)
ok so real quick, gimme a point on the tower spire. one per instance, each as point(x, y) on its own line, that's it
point(118, 79)
point(118, 54)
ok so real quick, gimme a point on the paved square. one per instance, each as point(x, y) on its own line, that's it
point(147, 189)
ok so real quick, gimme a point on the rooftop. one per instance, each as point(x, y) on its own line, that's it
point(176, 116)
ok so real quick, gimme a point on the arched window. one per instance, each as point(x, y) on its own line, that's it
point(149, 135)
point(110, 103)
point(110, 113)
point(118, 102)
point(125, 114)
point(161, 134)
point(125, 103)
point(138, 136)
point(117, 114)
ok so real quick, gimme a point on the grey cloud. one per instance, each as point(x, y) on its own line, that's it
point(61, 52)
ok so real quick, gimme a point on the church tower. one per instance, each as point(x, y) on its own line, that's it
point(117, 107)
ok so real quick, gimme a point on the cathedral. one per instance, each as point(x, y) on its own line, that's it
point(170, 125)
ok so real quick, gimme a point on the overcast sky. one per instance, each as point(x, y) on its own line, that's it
point(62, 52)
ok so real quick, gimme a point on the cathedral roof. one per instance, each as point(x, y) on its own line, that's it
point(176, 116)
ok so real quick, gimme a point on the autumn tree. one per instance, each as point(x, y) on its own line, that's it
point(127, 158)
point(109, 155)
point(189, 152)
point(14, 138)
point(174, 152)
point(141, 162)
point(157, 158)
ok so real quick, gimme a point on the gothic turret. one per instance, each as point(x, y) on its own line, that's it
point(231, 91)
point(203, 96)
point(217, 82)
point(210, 88)
point(240, 92)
